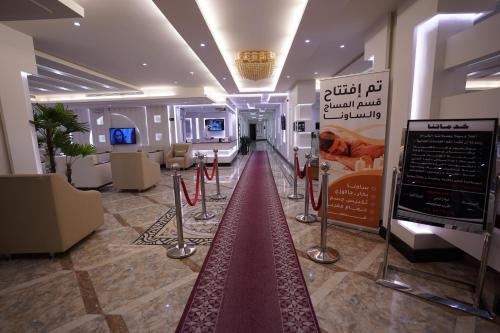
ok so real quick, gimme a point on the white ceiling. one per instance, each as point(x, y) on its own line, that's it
point(117, 36)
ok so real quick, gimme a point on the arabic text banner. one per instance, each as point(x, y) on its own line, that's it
point(353, 113)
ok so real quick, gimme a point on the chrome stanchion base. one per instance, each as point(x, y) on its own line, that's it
point(204, 216)
point(295, 196)
point(323, 257)
point(218, 196)
point(179, 253)
point(310, 218)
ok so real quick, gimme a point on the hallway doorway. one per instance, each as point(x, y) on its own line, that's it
point(253, 132)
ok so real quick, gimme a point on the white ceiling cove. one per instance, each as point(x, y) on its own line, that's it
point(190, 45)
point(239, 25)
point(116, 37)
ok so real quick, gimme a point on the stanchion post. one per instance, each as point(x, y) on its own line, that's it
point(306, 217)
point(203, 215)
point(486, 248)
point(389, 222)
point(181, 250)
point(218, 195)
point(322, 254)
point(295, 195)
point(395, 284)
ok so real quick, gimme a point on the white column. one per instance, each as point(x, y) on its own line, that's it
point(301, 97)
point(17, 61)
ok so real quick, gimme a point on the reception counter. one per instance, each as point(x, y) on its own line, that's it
point(227, 150)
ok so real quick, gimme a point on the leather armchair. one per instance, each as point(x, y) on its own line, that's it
point(134, 171)
point(180, 153)
point(45, 214)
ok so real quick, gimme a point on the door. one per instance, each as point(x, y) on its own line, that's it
point(253, 132)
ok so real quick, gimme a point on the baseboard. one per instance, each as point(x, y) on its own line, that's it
point(425, 255)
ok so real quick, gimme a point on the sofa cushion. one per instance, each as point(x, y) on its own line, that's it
point(179, 153)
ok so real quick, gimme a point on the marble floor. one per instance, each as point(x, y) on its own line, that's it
point(119, 279)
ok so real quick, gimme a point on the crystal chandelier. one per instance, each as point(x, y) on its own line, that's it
point(255, 65)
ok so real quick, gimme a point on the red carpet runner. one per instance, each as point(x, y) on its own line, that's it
point(251, 279)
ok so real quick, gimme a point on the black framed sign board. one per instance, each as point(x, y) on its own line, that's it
point(447, 172)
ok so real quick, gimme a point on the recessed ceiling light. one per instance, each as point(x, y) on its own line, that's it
point(76, 23)
point(224, 78)
point(307, 41)
point(342, 46)
point(175, 82)
point(288, 76)
point(202, 45)
point(315, 73)
point(192, 73)
point(144, 64)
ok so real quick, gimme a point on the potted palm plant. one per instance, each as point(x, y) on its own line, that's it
point(73, 152)
point(54, 125)
point(244, 142)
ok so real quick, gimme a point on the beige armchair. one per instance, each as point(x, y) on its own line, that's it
point(45, 214)
point(133, 171)
point(180, 153)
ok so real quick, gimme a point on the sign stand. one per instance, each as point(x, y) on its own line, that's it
point(473, 309)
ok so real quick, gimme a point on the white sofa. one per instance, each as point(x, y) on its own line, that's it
point(87, 172)
point(155, 153)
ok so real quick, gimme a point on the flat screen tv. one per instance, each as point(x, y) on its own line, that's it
point(122, 136)
point(214, 124)
point(283, 122)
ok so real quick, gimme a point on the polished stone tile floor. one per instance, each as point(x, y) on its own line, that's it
point(119, 279)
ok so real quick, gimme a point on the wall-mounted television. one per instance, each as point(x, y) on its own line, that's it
point(122, 136)
point(214, 124)
point(283, 122)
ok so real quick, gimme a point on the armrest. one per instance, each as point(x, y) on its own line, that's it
point(188, 158)
point(169, 154)
point(79, 213)
point(152, 173)
point(103, 172)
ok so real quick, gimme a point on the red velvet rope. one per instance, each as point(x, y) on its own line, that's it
point(315, 206)
point(213, 170)
point(300, 174)
point(184, 189)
